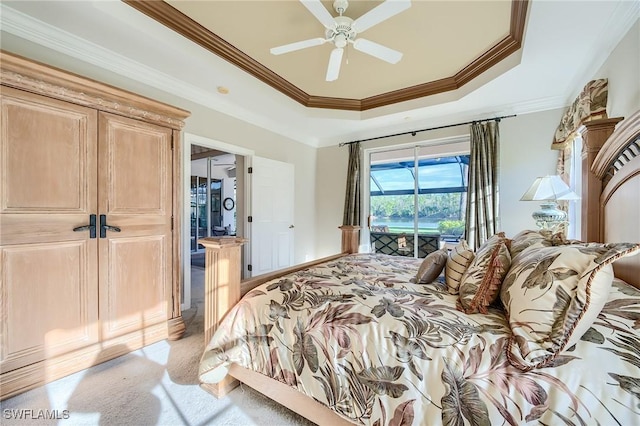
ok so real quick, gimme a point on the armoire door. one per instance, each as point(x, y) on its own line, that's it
point(135, 202)
point(48, 274)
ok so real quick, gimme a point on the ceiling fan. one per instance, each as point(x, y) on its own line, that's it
point(342, 30)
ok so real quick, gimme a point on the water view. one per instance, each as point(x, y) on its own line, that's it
point(425, 226)
point(406, 224)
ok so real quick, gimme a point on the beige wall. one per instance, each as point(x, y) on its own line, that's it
point(213, 125)
point(320, 173)
point(524, 151)
point(622, 68)
point(330, 191)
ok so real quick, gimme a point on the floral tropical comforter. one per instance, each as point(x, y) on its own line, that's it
point(356, 335)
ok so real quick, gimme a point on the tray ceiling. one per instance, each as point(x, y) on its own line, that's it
point(445, 44)
point(127, 48)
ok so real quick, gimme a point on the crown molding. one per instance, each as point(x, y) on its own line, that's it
point(182, 24)
point(435, 118)
point(537, 105)
point(43, 34)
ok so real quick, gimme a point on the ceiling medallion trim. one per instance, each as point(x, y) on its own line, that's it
point(182, 24)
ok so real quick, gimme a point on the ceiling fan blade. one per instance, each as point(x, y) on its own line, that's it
point(297, 46)
point(335, 60)
point(378, 14)
point(320, 12)
point(377, 50)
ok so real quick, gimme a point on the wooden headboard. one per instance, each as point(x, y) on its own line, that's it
point(616, 166)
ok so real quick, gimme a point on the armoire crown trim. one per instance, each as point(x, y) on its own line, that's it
point(24, 74)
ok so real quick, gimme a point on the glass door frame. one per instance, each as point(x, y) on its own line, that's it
point(416, 190)
point(208, 181)
point(450, 146)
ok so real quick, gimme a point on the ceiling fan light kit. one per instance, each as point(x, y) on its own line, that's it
point(342, 31)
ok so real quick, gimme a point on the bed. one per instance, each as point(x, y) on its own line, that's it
point(364, 339)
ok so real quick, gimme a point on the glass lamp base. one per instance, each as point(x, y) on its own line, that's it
point(550, 217)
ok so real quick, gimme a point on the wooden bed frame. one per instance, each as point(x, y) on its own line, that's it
point(610, 212)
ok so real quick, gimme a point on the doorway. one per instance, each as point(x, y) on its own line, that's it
point(212, 196)
point(214, 201)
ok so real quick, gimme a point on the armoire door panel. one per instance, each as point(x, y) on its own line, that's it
point(49, 172)
point(138, 168)
point(48, 167)
point(134, 296)
point(136, 197)
point(49, 300)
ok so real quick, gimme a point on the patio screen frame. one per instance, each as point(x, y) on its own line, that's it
point(425, 151)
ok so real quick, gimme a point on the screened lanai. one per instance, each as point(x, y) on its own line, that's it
point(416, 203)
point(435, 176)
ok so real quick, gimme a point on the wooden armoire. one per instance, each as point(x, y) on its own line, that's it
point(89, 223)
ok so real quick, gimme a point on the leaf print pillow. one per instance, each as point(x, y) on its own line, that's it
point(529, 238)
point(552, 295)
point(480, 284)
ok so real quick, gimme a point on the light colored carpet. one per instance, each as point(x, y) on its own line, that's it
point(156, 385)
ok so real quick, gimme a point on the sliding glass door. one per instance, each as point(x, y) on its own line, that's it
point(206, 214)
point(417, 200)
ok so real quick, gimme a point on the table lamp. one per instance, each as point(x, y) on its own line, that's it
point(549, 189)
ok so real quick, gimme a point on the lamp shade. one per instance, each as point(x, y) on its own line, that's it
point(549, 188)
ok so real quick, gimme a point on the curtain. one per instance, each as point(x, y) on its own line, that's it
point(591, 104)
point(352, 200)
point(482, 220)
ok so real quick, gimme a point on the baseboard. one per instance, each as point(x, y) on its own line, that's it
point(34, 375)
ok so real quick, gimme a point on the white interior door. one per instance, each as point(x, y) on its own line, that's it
point(272, 207)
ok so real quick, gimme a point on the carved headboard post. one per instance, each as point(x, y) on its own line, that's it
point(594, 135)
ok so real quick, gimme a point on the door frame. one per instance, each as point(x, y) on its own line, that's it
point(365, 237)
point(185, 245)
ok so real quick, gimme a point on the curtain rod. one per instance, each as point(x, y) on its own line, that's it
point(414, 132)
